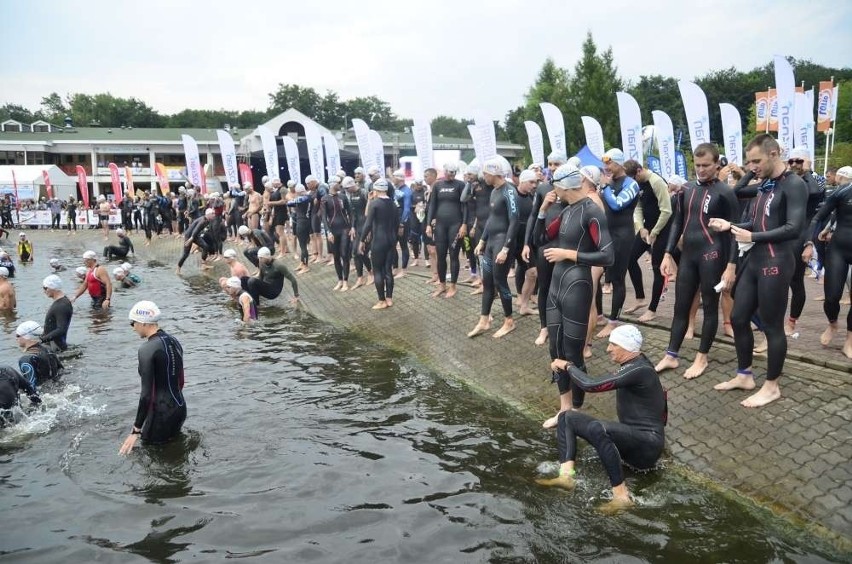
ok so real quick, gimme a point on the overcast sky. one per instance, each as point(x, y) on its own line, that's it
point(424, 58)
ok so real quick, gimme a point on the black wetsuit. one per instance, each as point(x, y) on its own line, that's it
point(39, 364)
point(544, 269)
point(279, 212)
point(271, 281)
point(500, 232)
point(477, 194)
point(337, 220)
point(655, 207)
point(382, 223)
point(763, 281)
point(816, 193)
point(301, 224)
point(11, 383)
point(162, 408)
point(525, 202)
point(620, 198)
point(839, 251)
point(580, 227)
point(124, 247)
point(637, 438)
point(704, 257)
point(57, 320)
point(418, 205)
point(446, 215)
point(358, 203)
point(258, 238)
point(194, 233)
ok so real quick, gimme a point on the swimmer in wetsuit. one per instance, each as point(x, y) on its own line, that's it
point(637, 438)
point(270, 280)
point(581, 241)
point(38, 364)
point(57, 320)
point(358, 198)
point(446, 223)
point(162, 407)
point(763, 282)
point(336, 214)
point(246, 304)
point(120, 251)
point(97, 282)
point(300, 202)
point(477, 195)
point(382, 224)
point(11, 384)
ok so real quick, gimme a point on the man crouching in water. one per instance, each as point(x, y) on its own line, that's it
point(636, 439)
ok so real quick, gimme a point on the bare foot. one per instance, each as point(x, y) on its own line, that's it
point(399, 274)
point(601, 320)
point(177, 271)
point(847, 347)
point(469, 280)
point(389, 301)
point(551, 422)
point(697, 369)
point(338, 286)
point(433, 280)
point(728, 329)
point(828, 334)
point(587, 351)
point(563, 482)
point(525, 310)
point(439, 290)
point(789, 327)
point(304, 270)
point(768, 393)
point(381, 305)
point(762, 346)
point(819, 298)
point(508, 327)
point(647, 316)
point(738, 382)
point(607, 289)
point(636, 307)
point(477, 291)
point(542, 338)
point(690, 333)
point(616, 505)
point(479, 329)
point(357, 285)
point(604, 333)
point(345, 287)
point(451, 291)
point(668, 362)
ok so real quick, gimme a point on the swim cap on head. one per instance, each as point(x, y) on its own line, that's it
point(381, 185)
point(22, 235)
point(101, 198)
point(247, 185)
point(81, 271)
point(372, 169)
point(348, 182)
point(567, 177)
point(341, 173)
point(474, 168)
point(144, 312)
point(557, 157)
point(291, 183)
point(800, 153)
point(534, 166)
point(300, 189)
point(677, 180)
point(592, 173)
point(575, 160)
point(4, 272)
point(119, 231)
point(615, 155)
point(190, 192)
point(118, 271)
point(181, 190)
point(54, 262)
point(493, 166)
point(233, 282)
point(310, 178)
point(127, 266)
point(627, 337)
point(52, 282)
point(527, 176)
point(844, 171)
point(209, 212)
point(90, 255)
point(264, 252)
point(230, 254)
point(359, 169)
point(243, 230)
point(29, 329)
point(399, 173)
point(451, 167)
point(264, 179)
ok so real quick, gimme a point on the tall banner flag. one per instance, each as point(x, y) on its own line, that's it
point(17, 199)
point(824, 105)
point(162, 178)
point(47, 185)
point(761, 111)
point(664, 131)
point(594, 136)
point(785, 85)
point(773, 109)
point(732, 130)
point(270, 152)
point(129, 189)
point(291, 154)
point(193, 161)
point(377, 148)
point(478, 148)
point(536, 142)
point(680, 165)
point(804, 120)
point(313, 138)
point(697, 112)
point(245, 174)
point(362, 136)
point(116, 182)
point(834, 104)
point(487, 135)
point(654, 165)
point(229, 157)
point(631, 126)
point(422, 130)
point(332, 153)
point(83, 185)
point(555, 126)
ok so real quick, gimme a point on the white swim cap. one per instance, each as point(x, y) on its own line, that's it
point(557, 157)
point(399, 173)
point(52, 282)
point(144, 312)
point(676, 180)
point(300, 189)
point(567, 177)
point(127, 266)
point(291, 184)
point(615, 155)
point(22, 235)
point(90, 255)
point(230, 254)
point(627, 337)
point(493, 166)
point(359, 169)
point(381, 185)
point(81, 271)
point(844, 171)
point(54, 262)
point(310, 178)
point(4, 272)
point(119, 231)
point(209, 212)
point(243, 230)
point(527, 176)
point(451, 167)
point(372, 169)
point(348, 182)
point(264, 252)
point(118, 271)
point(592, 173)
point(233, 282)
point(800, 153)
point(29, 329)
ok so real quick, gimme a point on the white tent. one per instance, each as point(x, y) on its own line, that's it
point(31, 184)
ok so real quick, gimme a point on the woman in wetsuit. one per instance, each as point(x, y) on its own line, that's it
point(336, 216)
point(446, 223)
point(383, 224)
point(357, 196)
point(582, 242)
point(301, 204)
point(162, 407)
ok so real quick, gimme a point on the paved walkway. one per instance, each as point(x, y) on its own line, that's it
point(793, 456)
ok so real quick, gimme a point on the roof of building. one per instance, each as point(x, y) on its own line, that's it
point(106, 134)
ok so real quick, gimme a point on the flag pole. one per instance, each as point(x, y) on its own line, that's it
point(768, 108)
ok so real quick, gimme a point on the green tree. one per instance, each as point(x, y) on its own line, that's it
point(447, 126)
point(17, 113)
point(53, 109)
point(107, 110)
point(659, 93)
point(306, 100)
point(375, 111)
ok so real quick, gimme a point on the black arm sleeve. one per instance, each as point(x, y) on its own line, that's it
point(677, 225)
point(743, 189)
point(29, 389)
point(605, 254)
point(796, 202)
point(62, 315)
point(529, 237)
point(147, 371)
point(368, 223)
point(626, 376)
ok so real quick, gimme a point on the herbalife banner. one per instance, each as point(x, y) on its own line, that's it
point(422, 130)
point(594, 136)
point(315, 156)
point(536, 141)
point(270, 152)
point(362, 136)
point(697, 113)
point(555, 126)
point(785, 86)
point(631, 126)
point(291, 154)
point(229, 157)
point(732, 129)
point(665, 142)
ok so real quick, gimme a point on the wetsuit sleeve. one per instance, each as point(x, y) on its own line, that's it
point(285, 272)
point(299, 200)
point(731, 203)
point(629, 191)
point(147, 371)
point(743, 189)
point(27, 366)
point(795, 200)
point(62, 316)
point(28, 388)
point(406, 206)
point(132, 250)
point(467, 193)
point(638, 217)
point(433, 206)
point(464, 209)
point(347, 212)
point(664, 202)
point(514, 217)
point(323, 211)
point(828, 206)
point(368, 223)
point(597, 228)
point(627, 375)
point(533, 219)
point(677, 225)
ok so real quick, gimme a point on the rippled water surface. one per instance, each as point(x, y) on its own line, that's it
point(307, 444)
